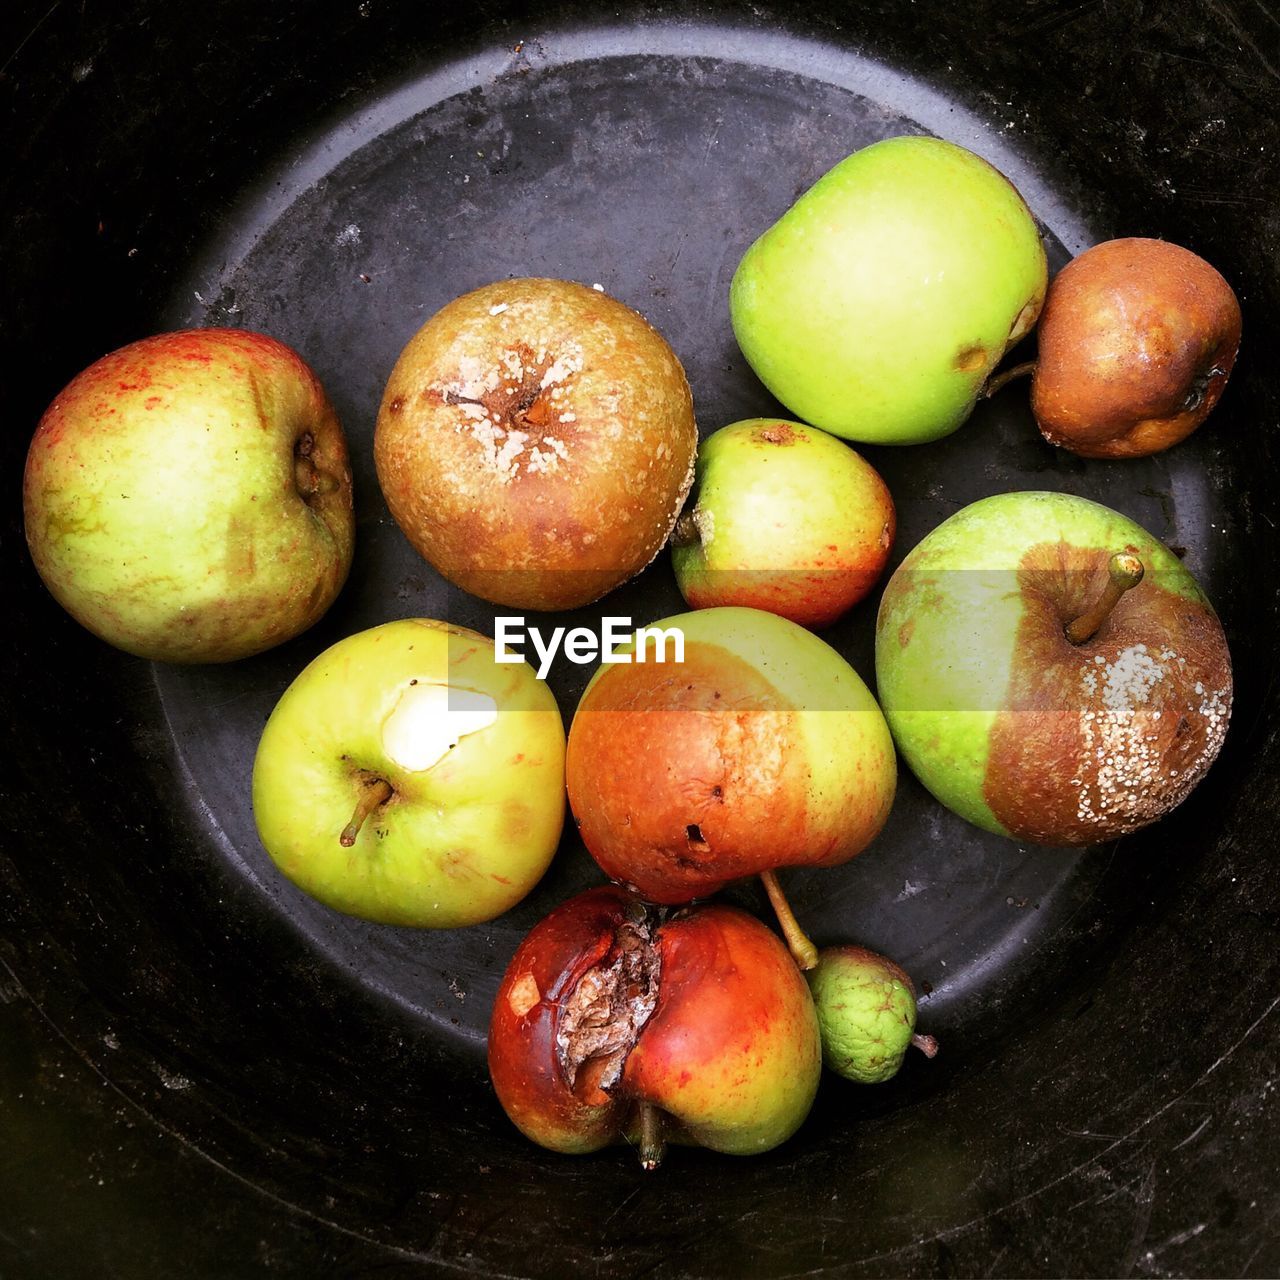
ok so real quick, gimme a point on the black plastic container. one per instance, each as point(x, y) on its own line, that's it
point(204, 1073)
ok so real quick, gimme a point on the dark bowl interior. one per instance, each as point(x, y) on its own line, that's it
point(204, 1072)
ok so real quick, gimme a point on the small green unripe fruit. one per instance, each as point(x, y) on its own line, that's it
point(866, 1013)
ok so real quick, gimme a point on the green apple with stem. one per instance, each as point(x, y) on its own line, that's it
point(877, 306)
point(188, 497)
point(412, 775)
point(784, 518)
point(1051, 671)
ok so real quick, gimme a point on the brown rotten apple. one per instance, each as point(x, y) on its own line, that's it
point(536, 442)
point(762, 749)
point(612, 1023)
point(1137, 340)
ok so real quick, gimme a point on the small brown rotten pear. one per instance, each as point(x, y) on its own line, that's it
point(1137, 340)
point(536, 442)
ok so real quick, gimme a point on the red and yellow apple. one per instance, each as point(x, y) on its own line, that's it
point(762, 749)
point(188, 498)
point(614, 1023)
point(784, 518)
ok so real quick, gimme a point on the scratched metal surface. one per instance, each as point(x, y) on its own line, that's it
point(189, 1050)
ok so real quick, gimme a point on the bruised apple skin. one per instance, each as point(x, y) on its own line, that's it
point(1137, 340)
point(762, 749)
point(607, 1008)
point(1015, 726)
point(187, 498)
point(536, 442)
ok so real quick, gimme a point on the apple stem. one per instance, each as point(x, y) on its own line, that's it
point(1124, 571)
point(926, 1044)
point(802, 948)
point(998, 380)
point(653, 1145)
point(686, 532)
point(374, 794)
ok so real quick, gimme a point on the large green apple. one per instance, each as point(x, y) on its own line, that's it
point(410, 777)
point(1023, 728)
point(188, 498)
point(879, 303)
point(785, 518)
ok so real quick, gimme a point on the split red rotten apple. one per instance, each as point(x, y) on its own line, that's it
point(1137, 340)
point(613, 1024)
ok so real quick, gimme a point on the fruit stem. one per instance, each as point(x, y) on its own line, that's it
point(374, 794)
point(998, 380)
point(802, 948)
point(653, 1145)
point(926, 1044)
point(686, 532)
point(1124, 571)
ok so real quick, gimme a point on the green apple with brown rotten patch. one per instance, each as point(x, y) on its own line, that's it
point(408, 777)
point(1051, 671)
point(879, 303)
point(784, 518)
point(188, 498)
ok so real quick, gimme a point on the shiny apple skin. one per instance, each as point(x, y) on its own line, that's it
point(731, 1054)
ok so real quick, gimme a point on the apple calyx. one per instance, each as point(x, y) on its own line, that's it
point(998, 380)
point(926, 1044)
point(310, 480)
point(374, 794)
point(799, 943)
point(1124, 572)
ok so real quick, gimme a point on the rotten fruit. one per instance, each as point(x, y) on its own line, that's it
point(536, 443)
point(1136, 343)
point(784, 518)
point(407, 777)
point(763, 749)
point(1050, 671)
point(616, 1021)
point(187, 498)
